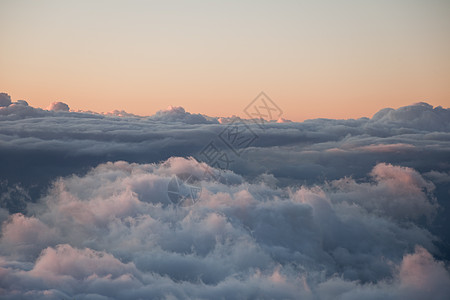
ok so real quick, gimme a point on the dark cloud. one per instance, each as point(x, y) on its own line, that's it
point(5, 100)
point(318, 210)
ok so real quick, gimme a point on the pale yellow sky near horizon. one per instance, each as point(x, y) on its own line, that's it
point(331, 59)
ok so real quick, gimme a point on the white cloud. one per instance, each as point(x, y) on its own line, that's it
point(113, 233)
point(58, 106)
point(398, 192)
point(179, 114)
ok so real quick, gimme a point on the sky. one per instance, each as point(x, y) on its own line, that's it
point(331, 59)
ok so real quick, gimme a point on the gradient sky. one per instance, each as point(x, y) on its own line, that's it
point(335, 59)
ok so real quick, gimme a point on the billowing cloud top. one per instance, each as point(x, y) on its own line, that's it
point(178, 114)
point(59, 106)
point(420, 116)
point(322, 209)
point(5, 100)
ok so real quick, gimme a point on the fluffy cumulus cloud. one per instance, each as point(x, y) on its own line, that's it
point(421, 116)
point(397, 192)
point(178, 114)
point(58, 106)
point(5, 100)
point(114, 233)
point(322, 209)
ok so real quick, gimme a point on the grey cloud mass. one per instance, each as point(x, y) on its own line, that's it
point(5, 100)
point(322, 209)
point(109, 234)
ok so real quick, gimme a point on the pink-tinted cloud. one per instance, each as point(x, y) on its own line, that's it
point(58, 106)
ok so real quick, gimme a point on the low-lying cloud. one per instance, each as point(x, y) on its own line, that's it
point(321, 209)
point(113, 233)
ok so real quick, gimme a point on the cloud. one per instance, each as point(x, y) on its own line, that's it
point(120, 113)
point(420, 116)
point(319, 209)
point(58, 106)
point(400, 147)
point(51, 143)
point(21, 102)
point(282, 120)
point(25, 236)
point(420, 273)
point(438, 177)
point(419, 276)
point(5, 100)
point(114, 233)
point(178, 114)
point(398, 192)
point(13, 197)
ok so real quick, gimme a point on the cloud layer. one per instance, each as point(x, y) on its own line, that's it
point(318, 210)
point(113, 233)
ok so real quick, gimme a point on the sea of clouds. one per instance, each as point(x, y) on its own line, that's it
point(322, 209)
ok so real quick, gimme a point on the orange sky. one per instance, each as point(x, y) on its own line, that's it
point(313, 58)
